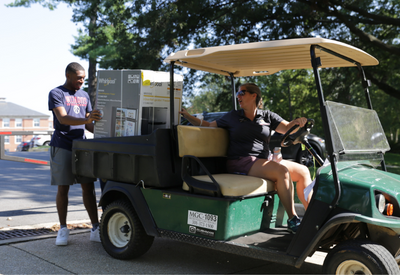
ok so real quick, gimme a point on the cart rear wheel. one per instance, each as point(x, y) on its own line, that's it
point(360, 257)
point(121, 232)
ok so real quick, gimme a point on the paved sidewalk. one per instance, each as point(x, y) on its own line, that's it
point(40, 255)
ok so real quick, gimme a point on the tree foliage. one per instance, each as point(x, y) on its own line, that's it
point(372, 26)
point(121, 34)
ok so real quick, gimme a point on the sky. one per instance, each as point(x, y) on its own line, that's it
point(35, 46)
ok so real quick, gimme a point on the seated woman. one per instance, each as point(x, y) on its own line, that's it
point(248, 152)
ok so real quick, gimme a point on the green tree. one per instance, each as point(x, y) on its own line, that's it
point(86, 12)
point(141, 33)
point(370, 25)
point(105, 39)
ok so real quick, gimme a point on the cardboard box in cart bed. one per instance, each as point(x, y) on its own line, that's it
point(135, 102)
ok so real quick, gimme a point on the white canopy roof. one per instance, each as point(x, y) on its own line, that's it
point(269, 57)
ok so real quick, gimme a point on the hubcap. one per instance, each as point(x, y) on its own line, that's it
point(306, 159)
point(353, 267)
point(119, 230)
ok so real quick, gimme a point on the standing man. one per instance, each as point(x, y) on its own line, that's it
point(72, 113)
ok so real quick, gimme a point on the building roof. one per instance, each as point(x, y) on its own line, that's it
point(11, 110)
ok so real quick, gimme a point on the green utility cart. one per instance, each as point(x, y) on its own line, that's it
point(173, 183)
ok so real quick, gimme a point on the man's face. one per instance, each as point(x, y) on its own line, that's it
point(76, 80)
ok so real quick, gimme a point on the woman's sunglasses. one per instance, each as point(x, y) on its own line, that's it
point(241, 93)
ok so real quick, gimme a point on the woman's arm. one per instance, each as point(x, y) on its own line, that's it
point(284, 126)
point(197, 121)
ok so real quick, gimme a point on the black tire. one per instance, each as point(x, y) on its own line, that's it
point(121, 232)
point(360, 257)
point(46, 143)
point(304, 157)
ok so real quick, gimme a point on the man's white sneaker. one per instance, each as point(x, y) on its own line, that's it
point(62, 236)
point(95, 235)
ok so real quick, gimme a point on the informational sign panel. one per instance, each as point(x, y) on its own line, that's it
point(135, 102)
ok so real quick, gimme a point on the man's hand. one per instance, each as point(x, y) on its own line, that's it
point(94, 115)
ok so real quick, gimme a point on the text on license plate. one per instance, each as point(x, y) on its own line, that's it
point(204, 220)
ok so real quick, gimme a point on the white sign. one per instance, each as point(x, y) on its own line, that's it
point(204, 220)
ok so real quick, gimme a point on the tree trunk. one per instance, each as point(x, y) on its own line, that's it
point(92, 81)
point(92, 60)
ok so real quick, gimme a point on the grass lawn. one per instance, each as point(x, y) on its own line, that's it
point(393, 162)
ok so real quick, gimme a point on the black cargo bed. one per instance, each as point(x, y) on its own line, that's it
point(149, 158)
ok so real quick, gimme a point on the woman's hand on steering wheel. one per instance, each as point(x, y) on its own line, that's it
point(301, 121)
point(298, 132)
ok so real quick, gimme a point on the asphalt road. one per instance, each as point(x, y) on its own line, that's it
point(26, 196)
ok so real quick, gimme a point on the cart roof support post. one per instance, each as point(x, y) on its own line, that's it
point(316, 62)
point(365, 83)
point(234, 104)
point(172, 94)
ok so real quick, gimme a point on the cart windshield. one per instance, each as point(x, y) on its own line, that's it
point(355, 131)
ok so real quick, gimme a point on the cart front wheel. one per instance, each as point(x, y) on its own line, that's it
point(360, 257)
point(121, 232)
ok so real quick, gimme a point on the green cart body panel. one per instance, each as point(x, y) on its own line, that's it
point(214, 218)
point(360, 182)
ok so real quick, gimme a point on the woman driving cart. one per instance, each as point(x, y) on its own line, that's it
point(248, 152)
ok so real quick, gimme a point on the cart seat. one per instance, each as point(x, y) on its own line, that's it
point(237, 185)
point(198, 143)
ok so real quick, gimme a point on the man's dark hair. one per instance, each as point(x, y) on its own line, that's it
point(73, 67)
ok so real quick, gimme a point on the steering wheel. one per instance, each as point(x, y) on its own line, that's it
point(300, 135)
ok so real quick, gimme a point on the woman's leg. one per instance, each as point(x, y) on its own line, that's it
point(301, 175)
point(279, 174)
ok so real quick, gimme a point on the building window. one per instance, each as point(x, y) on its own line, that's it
point(6, 123)
point(36, 122)
point(18, 122)
point(6, 139)
point(18, 139)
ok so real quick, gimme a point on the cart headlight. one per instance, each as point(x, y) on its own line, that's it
point(380, 202)
point(384, 206)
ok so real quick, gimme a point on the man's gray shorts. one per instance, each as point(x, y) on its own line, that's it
point(61, 168)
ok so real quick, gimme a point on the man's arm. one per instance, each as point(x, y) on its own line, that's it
point(89, 126)
point(66, 119)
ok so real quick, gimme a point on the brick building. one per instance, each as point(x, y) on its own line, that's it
point(14, 117)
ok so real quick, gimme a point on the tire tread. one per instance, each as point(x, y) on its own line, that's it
point(367, 248)
point(140, 242)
